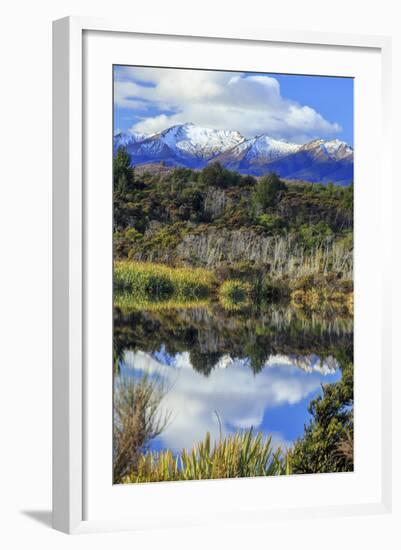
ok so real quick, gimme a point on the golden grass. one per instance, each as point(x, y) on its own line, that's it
point(154, 281)
point(128, 303)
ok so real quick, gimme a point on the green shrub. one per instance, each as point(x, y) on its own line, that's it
point(271, 223)
point(132, 234)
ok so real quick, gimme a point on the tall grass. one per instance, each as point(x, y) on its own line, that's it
point(149, 281)
point(137, 421)
point(240, 455)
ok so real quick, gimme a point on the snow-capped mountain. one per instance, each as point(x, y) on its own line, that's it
point(124, 139)
point(183, 144)
point(193, 146)
point(318, 161)
point(202, 143)
point(256, 152)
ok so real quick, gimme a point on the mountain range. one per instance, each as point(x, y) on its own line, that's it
point(194, 147)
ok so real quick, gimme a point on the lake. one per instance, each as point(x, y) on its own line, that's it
point(224, 372)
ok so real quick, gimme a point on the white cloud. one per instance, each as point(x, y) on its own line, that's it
point(223, 100)
point(240, 399)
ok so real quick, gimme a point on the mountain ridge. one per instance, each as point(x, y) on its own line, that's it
point(194, 147)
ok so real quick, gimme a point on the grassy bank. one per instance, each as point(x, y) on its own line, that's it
point(153, 286)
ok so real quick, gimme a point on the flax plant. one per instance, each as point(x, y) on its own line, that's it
point(241, 455)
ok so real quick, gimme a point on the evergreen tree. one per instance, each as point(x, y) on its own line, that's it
point(123, 173)
point(266, 191)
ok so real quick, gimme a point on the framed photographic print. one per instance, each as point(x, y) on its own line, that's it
point(220, 282)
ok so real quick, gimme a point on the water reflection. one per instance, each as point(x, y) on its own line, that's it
point(232, 371)
point(240, 398)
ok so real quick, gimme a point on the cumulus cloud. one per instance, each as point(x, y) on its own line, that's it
point(240, 399)
point(251, 104)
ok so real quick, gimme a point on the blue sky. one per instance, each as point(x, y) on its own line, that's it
point(293, 107)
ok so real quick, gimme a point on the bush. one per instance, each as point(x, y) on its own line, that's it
point(132, 234)
point(234, 294)
point(271, 223)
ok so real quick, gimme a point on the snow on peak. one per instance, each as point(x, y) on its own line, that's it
point(123, 139)
point(337, 149)
point(194, 146)
point(274, 148)
point(189, 139)
point(263, 147)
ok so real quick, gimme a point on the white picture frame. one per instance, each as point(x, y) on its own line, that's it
point(70, 258)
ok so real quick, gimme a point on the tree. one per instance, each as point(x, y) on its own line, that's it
point(348, 197)
point(266, 191)
point(123, 173)
point(214, 174)
point(328, 440)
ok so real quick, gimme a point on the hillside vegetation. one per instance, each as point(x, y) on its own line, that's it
point(260, 231)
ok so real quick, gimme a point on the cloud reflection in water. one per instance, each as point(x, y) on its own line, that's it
point(240, 398)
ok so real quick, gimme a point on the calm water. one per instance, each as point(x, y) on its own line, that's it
point(240, 370)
